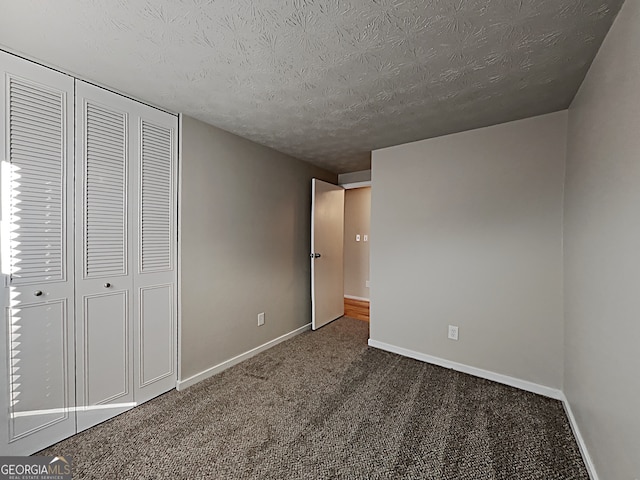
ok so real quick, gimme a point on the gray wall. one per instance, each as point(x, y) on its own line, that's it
point(245, 244)
point(466, 230)
point(602, 253)
point(354, 177)
point(357, 220)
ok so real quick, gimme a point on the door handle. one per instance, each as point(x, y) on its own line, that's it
point(107, 285)
point(37, 293)
point(315, 255)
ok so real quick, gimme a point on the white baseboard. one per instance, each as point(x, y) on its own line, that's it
point(209, 372)
point(353, 297)
point(478, 372)
point(591, 469)
point(507, 380)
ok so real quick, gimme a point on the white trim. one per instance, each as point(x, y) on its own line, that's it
point(179, 256)
point(353, 297)
point(349, 186)
point(209, 372)
point(478, 372)
point(591, 469)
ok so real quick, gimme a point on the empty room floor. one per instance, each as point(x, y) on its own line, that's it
point(325, 405)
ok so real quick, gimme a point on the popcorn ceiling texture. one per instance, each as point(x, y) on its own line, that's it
point(326, 81)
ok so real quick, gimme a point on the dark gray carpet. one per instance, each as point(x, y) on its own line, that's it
point(324, 405)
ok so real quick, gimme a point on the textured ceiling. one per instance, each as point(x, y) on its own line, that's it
point(326, 81)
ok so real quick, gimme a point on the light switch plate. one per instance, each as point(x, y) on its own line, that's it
point(357, 237)
point(365, 238)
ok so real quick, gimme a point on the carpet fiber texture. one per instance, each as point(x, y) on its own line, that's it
point(324, 405)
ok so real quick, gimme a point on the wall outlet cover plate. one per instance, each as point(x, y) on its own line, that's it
point(453, 332)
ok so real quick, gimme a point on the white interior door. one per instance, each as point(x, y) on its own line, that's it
point(37, 387)
point(327, 245)
point(104, 280)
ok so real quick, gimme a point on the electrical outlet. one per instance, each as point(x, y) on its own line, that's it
point(453, 332)
point(261, 319)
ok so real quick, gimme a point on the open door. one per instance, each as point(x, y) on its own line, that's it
point(327, 243)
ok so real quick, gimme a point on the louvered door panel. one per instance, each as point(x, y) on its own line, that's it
point(156, 205)
point(37, 381)
point(104, 281)
point(105, 191)
point(155, 280)
point(37, 170)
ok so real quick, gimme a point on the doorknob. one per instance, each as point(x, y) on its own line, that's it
point(37, 293)
point(315, 255)
point(107, 285)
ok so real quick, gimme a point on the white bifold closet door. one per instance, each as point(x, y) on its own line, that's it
point(37, 379)
point(88, 255)
point(105, 148)
point(155, 278)
point(125, 253)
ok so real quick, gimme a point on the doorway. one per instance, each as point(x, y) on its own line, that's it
point(357, 223)
point(340, 235)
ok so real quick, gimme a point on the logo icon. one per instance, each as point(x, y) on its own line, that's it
point(35, 468)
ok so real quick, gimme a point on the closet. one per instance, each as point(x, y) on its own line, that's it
point(88, 193)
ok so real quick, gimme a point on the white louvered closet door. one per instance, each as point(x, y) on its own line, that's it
point(155, 301)
point(105, 148)
point(37, 392)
